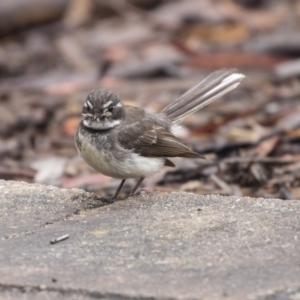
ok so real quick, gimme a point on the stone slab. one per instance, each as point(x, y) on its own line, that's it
point(153, 246)
point(24, 208)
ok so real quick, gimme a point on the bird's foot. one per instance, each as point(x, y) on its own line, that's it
point(107, 200)
point(138, 193)
point(97, 201)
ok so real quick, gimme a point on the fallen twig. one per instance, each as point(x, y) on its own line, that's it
point(59, 239)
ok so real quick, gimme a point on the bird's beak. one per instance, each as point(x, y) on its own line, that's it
point(86, 115)
point(105, 114)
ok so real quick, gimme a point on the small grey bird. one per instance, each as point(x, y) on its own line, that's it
point(124, 142)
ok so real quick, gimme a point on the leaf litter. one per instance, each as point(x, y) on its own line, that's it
point(150, 54)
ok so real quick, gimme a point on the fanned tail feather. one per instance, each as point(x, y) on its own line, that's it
point(212, 87)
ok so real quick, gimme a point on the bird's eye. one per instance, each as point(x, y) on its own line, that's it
point(89, 106)
point(110, 108)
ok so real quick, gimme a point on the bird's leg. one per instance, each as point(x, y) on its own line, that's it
point(114, 197)
point(136, 186)
point(118, 190)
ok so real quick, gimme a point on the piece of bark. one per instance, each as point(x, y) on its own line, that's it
point(78, 13)
point(288, 69)
point(17, 14)
point(234, 59)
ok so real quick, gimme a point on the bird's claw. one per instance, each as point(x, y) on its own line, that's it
point(104, 199)
point(108, 200)
point(140, 192)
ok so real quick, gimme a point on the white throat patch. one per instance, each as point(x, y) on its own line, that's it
point(101, 125)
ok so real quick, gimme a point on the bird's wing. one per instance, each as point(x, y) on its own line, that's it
point(151, 140)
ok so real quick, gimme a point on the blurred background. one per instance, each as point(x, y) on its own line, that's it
point(149, 52)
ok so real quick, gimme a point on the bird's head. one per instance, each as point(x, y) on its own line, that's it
point(102, 110)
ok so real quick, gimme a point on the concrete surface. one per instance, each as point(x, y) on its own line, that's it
point(153, 246)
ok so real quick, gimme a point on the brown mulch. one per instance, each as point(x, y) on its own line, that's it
point(150, 52)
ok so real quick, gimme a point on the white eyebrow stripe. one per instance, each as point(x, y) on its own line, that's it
point(107, 104)
point(90, 104)
point(119, 104)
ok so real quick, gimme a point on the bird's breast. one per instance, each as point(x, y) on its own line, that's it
point(112, 161)
point(93, 151)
